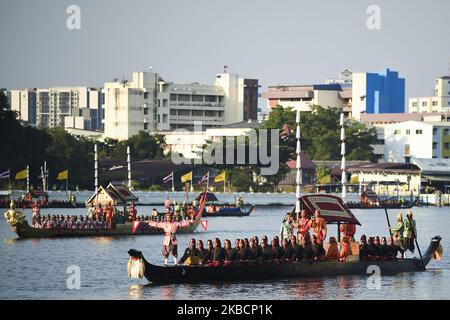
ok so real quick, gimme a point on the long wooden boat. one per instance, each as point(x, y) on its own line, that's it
point(333, 210)
point(121, 229)
point(19, 225)
point(358, 205)
point(225, 212)
point(269, 271)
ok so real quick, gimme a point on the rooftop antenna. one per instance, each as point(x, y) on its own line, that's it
point(225, 69)
point(151, 68)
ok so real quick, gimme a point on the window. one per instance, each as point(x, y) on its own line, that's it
point(210, 98)
point(435, 103)
point(424, 103)
point(145, 126)
point(434, 145)
point(447, 146)
point(419, 131)
point(397, 131)
point(173, 97)
point(408, 131)
point(446, 132)
point(145, 110)
point(414, 104)
point(145, 95)
point(184, 97)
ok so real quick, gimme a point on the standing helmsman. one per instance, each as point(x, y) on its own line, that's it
point(397, 234)
point(170, 243)
point(287, 228)
point(409, 232)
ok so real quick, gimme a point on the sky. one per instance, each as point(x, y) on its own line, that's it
point(277, 42)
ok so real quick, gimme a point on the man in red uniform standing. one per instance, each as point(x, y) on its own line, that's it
point(109, 214)
point(133, 212)
point(170, 243)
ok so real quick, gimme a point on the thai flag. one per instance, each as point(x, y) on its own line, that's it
point(204, 179)
point(168, 178)
point(43, 175)
point(5, 175)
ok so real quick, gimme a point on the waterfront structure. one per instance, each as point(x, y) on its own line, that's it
point(388, 179)
point(416, 139)
point(304, 97)
point(149, 103)
point(374, 93)
point(189, 143)
point(439, 102)
point(67, 107)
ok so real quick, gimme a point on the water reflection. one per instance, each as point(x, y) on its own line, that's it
point(135, 291)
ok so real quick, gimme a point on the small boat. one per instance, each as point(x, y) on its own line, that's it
point(230, 211)
point(333, 210)
point(270, 271)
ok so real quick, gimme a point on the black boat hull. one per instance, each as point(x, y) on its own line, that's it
point(270, 271)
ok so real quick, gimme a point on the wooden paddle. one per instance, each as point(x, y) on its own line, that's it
point(389, 223)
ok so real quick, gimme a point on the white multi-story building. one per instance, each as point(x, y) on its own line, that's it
point(439, 102)
point(416, 139)
point(148, 103)
point(24, 103)
point(51, 107)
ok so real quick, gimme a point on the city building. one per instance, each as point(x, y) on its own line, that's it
point(439, 102)
point(24, 103)
point(66, 107)
point(374, 93)
point(306, 96)
point(151, 104)
point(407, 140)
point(189, 143)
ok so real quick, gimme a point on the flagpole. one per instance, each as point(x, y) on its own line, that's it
point(9, 183)
point(299, 166)
point(173, 183)
point(192, 181)
point(96, 174)
point(42, 178)
point(28, 179)
point(344, 176)
point(129, 167)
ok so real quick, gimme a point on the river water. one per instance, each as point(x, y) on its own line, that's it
point(38, 268)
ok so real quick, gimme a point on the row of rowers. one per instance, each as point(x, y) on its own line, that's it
point(309, 250)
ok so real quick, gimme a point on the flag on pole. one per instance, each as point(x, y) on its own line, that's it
point(204, 179)
point(168, 178)
point(5, 175)
point(21, 175)
point(204, 224)
point(220, 177)
point(186, 177)
point(42, 176)
point(136, 225)
point(63, 175)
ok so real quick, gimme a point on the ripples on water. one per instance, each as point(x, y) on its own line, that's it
point(36, 268)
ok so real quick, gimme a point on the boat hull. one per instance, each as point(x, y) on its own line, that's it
point(125, 229)
point(271, 271)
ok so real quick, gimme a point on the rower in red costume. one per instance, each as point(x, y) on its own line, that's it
point(99, 212)
point(133, 212)
point(109, 214)
point(170, 243)
point(348, 230)
point(319, 226)
point(302, 225)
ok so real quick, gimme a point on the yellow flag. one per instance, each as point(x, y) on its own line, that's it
point(186, 177)
point(354, 179)
point(21, 175)
point(63, 175)
point(220, 177)
point(325, 180)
